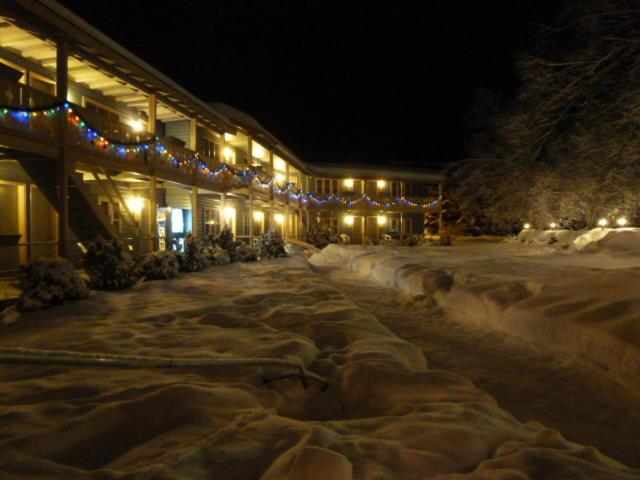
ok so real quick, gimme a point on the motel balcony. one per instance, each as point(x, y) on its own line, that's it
point(43, 125)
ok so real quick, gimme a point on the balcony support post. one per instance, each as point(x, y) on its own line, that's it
point(62, 69)
point(63, 202)
point(439, 209)
point(153, 214)
point(152, 113)
point(193, 134)
point(287, 220)
point(251, 214)
point(271, 195)
point(194, 212)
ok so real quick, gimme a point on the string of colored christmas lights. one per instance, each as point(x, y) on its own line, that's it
point(243, 175)
point(349, 202)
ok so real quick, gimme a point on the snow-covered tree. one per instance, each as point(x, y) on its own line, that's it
point(566, 148)
point(224, 240)
point(192, 259)
point(320, 236)
point(271, 245)
point(108, 265)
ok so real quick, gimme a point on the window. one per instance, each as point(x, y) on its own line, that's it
point(208, 148)
point(326, 186)
point(211, 221)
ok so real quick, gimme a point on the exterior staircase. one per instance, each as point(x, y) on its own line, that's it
point(86, 218)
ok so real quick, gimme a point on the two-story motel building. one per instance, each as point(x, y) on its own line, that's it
point(93, 140)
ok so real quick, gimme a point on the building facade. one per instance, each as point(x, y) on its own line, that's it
point(93, 140)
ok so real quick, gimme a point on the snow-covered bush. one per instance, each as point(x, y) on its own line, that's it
point(244, 253)
point(271, 245)
point(412, 240)
point(192, 260)
point(320, 236)
point(224, 240)
point(49, 282)
point(160, 266)
point(216, 255)
point(109, 267)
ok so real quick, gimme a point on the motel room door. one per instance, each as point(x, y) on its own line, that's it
point(356, 230)
point(372, 228)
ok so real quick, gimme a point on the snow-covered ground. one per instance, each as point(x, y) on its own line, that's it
point(385, 415)
point(576, 292)
point(532, 382)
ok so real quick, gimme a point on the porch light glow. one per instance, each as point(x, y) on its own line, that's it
point(526, 226)
point(348, 219)
point(227, 153)
point(135, 204)
point(279, 218)
point(258, 216)
point(622, 222)
point(382, 220)
point(603, 222)
point(137, 126)
point(381, 184)
point(348, 182)
point(257, 151)
point(229, 213)
point(553, 225)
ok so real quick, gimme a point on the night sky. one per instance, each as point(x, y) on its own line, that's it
point(364, 81)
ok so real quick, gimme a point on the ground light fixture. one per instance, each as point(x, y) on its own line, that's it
point(621, 222)
point(348, 219)
point(526, 226)
point(279, 218)
point(553, 225)
point(603, 222)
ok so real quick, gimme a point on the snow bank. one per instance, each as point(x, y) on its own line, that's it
point(386, 415)
point(609, 240)
point(551, 298)
point(597, 240)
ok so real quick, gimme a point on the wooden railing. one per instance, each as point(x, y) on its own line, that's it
point(41, 125)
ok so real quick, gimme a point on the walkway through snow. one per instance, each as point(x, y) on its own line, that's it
point(567, 394)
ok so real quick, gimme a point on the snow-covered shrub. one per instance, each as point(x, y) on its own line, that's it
point(412, 240)
point(160, 266)
point(224, 240)
point(192, 260)
point(320, 236)
point(271, 245)
point(109, 266)
point(49, 282)
point(244, 253)
point(216, 255)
